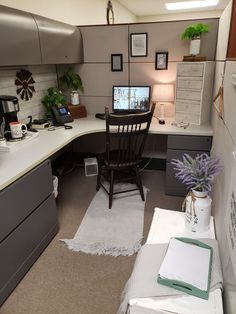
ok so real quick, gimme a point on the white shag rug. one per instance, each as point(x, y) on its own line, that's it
point(116, 231)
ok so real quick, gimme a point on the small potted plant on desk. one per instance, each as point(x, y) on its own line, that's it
point(194, 33)
point(54, 97)
point(74, 83)
point(198, 175)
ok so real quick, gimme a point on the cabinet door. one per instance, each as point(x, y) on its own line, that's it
point(173, 186)
point(19, 44)
point(60, 42)
point(24, 245)
point(178, 145)
point(23, 196)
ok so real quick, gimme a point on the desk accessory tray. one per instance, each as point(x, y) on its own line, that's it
point(12, 146)
point(183, 285)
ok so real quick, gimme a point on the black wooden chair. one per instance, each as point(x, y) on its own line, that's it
point(125, 139)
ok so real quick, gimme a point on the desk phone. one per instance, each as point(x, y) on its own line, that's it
point(62, 114)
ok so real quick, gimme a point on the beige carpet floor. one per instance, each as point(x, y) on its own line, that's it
point(66, 282)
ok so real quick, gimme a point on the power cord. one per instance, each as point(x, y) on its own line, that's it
point(147, 163)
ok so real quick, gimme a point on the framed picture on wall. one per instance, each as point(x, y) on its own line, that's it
point(138, 44)
point(117, 62)
point(161, 62)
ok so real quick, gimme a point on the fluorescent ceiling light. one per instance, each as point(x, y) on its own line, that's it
point(191, 4)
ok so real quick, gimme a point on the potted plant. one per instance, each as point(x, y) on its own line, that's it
point(74, 83)
point(194, 33)
point(54, 97)
point(198, 175)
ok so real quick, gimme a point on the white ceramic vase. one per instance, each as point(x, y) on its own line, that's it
point(74, 98)
point(198, 211)
point(195, 46)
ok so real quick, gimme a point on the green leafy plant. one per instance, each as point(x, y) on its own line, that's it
point(54, 97)
point(195, 31)
point(72, 80)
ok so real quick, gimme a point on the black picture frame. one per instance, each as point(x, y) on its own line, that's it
point(139, 44)
point(117, 62)
point(161, 61)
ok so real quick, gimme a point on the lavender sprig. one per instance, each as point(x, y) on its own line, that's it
point(199, 172)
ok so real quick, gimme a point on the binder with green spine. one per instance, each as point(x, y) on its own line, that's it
point(187, 267)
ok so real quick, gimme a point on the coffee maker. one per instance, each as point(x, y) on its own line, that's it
point(9, 106)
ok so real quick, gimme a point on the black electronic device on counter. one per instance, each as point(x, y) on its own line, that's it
point(61, 115)
point(9, 106)
point(100, 116)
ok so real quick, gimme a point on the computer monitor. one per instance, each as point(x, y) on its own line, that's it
point(130, 99)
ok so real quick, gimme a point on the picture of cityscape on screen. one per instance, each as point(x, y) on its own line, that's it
point(130, 98)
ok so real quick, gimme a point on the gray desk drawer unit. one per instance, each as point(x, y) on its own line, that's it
point(28, 222)
point(194, 85)
point(178, 145)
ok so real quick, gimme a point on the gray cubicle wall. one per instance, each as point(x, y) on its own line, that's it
point(100, 42)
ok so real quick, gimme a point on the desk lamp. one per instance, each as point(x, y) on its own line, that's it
point(162, 93)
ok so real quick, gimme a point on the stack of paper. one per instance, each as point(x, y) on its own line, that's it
point(187, 266)
point(12, 146)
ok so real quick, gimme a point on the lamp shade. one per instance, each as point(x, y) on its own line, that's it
point(163, 92)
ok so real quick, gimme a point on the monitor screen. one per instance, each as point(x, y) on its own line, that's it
point(131, 99)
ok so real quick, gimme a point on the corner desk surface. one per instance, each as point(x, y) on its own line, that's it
point(16, 163)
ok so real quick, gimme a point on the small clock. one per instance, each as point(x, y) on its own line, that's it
point(110, 13)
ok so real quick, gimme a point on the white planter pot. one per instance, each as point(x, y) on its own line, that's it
point(74, 98)
point(195, 46)
point(198, 211)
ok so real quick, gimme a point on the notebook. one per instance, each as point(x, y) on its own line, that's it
point(187, 266)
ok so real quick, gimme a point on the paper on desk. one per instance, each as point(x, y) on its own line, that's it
point(187, 263)
point(12, 146)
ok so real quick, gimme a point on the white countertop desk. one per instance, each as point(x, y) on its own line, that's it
point(15, 164)
point(167, 224)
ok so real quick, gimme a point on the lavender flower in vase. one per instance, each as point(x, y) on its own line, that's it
point(198, 175)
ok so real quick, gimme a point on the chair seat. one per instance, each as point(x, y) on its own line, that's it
point(114, 160)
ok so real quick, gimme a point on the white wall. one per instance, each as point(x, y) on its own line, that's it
point(223, 145)
point(75, 12)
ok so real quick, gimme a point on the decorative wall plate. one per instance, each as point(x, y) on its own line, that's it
point(24, 82)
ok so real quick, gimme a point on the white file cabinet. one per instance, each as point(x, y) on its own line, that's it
point(194, 86)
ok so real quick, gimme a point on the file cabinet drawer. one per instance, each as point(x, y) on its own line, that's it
point(24, 245)
point(178, 154)
point(189, 83)
point(187, 142)
point(188, 94)
point(23, 196)
point(187, 117)
point(190, 69)
point(187, 106)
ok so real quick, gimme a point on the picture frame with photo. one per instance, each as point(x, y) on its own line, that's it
point(161, 61)
point(117, 62)
point(139, 44)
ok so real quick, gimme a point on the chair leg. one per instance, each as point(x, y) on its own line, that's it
point(139, 183)
point(98, 179)
point(111, 188)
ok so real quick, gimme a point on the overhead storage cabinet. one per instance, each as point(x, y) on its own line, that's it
point(19, 44)
point(28, 39)
point(60, 43)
